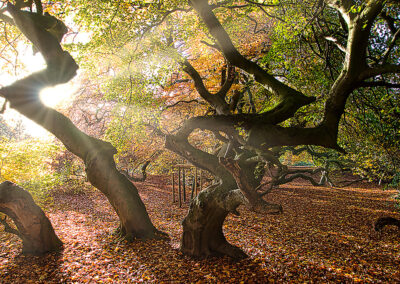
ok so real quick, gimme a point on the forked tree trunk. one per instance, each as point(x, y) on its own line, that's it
point(203, 225)
point(33, 227)
point(97, 154)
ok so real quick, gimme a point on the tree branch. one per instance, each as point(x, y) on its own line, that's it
point(380, 84)
point(228, 82)
point(215, 100)
point(391, 45)
point(184, 102)
point(379, 70)
point(255, 201)
point(8, 228)
point(390, 21)
point(235, 58)
point(335, 41)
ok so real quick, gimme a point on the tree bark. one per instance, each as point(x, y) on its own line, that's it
point(33, 227)
point(23, 96)
point(202, 227)
point(123, 196)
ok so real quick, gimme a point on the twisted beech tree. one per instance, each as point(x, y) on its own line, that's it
point(23, 96)
point(356, 41)
point(360, 67)
point(355, 45)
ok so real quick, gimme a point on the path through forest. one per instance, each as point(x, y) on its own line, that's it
point(323, 235)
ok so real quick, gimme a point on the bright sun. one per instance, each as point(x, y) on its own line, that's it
point(55, 97)
point(58, 95)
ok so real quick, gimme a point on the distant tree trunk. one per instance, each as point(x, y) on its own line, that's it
point(33, 227)
point(137, 179)
point(23, 96)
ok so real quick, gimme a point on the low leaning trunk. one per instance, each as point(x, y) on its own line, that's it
point(33, 227)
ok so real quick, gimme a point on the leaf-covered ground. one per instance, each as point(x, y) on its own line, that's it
point(324, 235)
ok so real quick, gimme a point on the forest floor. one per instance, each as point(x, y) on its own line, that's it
point(324, 235)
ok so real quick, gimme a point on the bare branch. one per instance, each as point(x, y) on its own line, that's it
point(235, 58)
point(255, 202)
point(215, 46)
point(184, 102)
point(335, 41)
point(261, 4)
point(380, 84)
point(379, 70)
point(236, 97)
point(391, 45)
point(228, 82)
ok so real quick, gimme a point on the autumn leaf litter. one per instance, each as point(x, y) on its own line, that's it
point(324, 235)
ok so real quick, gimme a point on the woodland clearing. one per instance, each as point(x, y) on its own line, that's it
point(324, 235)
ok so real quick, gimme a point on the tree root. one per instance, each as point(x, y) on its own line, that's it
point(385, 221)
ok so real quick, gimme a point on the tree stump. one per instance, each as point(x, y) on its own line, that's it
point(33, 227)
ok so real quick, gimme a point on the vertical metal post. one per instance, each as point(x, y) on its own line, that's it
point(201, 180)
point(193, 185)
point(179, 186)
point(173, 186)
point(184, 184)
point(195, 181)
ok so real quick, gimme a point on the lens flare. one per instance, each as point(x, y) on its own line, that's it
point(57, 96)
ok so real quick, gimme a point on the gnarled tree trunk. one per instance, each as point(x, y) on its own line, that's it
point(202, 227)
point(33, 227)
point(97, 154)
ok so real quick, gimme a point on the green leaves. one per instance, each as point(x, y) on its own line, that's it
point(29, 163)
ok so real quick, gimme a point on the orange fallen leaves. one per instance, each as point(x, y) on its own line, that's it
point(330, 241)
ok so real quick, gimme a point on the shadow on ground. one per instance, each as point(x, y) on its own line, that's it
point(324, 235)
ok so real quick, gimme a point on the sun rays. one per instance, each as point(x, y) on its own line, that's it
point(57, 96)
